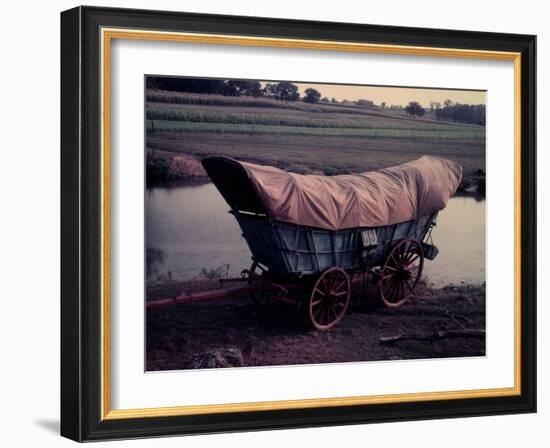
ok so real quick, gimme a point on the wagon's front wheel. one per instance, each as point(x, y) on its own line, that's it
point(329, 298)
point(401, 272)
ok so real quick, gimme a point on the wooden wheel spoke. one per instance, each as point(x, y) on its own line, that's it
point(320, 314)
point(340, 304)
point(329, 282)
point(391, 282)
point(330, 313)
point(328, 318)
point(413, 251)
point(324, 280)
point(333, 280)
point(412, 259)
point(392, 290)
point(342, 283)
point(404, 251)
point(397, 294)
point(402, 289)
point(316, 302)
point(395, 291)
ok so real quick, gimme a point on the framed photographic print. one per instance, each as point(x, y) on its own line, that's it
point(275, 224)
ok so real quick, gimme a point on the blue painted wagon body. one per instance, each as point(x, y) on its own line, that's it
point(288, 248)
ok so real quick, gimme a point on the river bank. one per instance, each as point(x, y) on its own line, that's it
point(233, 332)
point(167, 167)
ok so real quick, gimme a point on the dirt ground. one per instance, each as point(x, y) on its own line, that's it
point(234, 332)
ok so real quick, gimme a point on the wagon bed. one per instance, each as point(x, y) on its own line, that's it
point(301, 250)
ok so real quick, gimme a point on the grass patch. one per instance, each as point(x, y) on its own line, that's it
point(253, 129)
point(214, 273)
point(302, 120)
point(328, 155)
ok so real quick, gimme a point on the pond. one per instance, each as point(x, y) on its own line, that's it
point(190, 230)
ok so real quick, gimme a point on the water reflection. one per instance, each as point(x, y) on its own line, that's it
point(460, 237)
point(192, 228)
point(189, 229)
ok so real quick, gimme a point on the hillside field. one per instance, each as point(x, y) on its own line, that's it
point(321, 138)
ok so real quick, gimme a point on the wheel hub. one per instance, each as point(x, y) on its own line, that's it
point(403, 274)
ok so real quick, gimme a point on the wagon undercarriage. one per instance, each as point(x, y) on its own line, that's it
point(323, 298)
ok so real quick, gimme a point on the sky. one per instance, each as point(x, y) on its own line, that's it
point(395, 95)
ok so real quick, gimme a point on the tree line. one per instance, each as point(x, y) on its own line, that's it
point(287, 91)
point(462, 113)
point(284, 91)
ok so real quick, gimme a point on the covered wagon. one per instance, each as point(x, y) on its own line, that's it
point(321, 232)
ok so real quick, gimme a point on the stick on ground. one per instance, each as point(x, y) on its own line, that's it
point(433, 336)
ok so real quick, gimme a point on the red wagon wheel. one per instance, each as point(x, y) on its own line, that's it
point(401, 272)
point(329, 298)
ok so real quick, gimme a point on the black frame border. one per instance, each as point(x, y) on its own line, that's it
point(81, 223)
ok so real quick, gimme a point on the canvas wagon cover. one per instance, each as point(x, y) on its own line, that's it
point(374, 198)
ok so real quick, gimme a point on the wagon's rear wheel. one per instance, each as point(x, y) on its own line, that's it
point(329, 298)
point(401, 272)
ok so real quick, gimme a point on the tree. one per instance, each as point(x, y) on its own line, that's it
point(312, 96)
point(248, 88)
point(192, 85)
point(284, 91)
point(151, 82)
point(365, 103)
point(383, 104)
point(230, 89)
point(324, 99)
point(334, 100)
point(269, 90)
point(464, 113)
point(447, 103)
point(415, 109)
